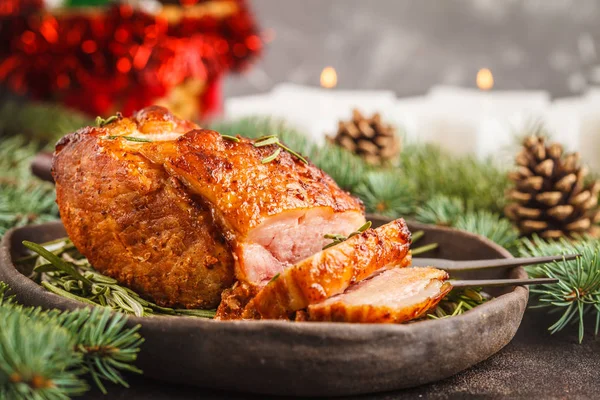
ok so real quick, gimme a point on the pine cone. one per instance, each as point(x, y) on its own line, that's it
point(372, 140)
point(550, 197)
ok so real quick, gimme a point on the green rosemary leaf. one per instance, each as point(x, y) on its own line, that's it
point(292, 152)
point(45, 268)
point(197, 313)
point(417, 235)
point(64, 279)
point(275, 277)
point(423, 249)
point(100, 122)
point(56, 290)
point(338, 238)
point(57, 262)
point(130, 138)
point(271, 157)
point(231, 138)
point(274, 140)
point(267, 142)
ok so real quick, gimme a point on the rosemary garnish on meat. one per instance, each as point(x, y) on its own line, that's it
point(130, 138)
point(337, 238)
point(273, 139)
point(232, 138)
point(274, 278)
point(60, 269)
point(100, 122)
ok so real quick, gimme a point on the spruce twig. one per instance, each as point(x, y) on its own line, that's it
point(45, 354)
point(440, 210)
point(492, 226)
point(578, 292)
point(386, 193)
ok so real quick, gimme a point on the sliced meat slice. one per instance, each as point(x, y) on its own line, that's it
point(273, 213)
point(331, 271)
point(393, 296)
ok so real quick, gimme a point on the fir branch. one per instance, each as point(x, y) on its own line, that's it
point(492, 226)
point(386, 193)
point(41, 121)
point(59, 268)
point(106, 345)
point(24, 199)
point(440, 210)
point(37, 359)
point(434, 172)
point(23, 203)
point(44, 354)
point(578, 292)
point(345, 168)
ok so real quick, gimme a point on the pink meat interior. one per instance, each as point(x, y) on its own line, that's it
point(287, 238)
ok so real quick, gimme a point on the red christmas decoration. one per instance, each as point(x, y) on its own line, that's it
point(103, 59)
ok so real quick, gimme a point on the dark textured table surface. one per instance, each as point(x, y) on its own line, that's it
point(534, 365)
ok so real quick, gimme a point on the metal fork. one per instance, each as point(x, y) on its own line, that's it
point(473, 265)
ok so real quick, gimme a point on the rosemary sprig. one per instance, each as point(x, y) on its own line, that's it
point(100, 122)
point(274, 140)
point(459, 301)
point(129, 138)
point(337, 238)
point(63, 271)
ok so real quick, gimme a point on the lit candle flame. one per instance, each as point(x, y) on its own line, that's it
point(328, 77)
point(485, 79)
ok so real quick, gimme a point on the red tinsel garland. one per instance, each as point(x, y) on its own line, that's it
point(103, 59)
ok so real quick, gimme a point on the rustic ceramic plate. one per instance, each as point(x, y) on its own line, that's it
point(309, 359)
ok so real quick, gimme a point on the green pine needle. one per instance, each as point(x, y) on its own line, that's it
point(434, 172)
point(440, 210)
point(43, 122)
point(345, 168)
point(492, 226)
point(577, 295)
point(37, 359)
point(45, 354)
point(386, 193)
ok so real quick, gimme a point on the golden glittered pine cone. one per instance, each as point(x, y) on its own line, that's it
point(374, 141)
point(549, 196)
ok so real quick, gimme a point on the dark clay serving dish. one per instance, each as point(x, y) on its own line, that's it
point(304, 358)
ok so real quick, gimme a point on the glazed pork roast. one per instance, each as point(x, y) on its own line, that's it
point(180, 213)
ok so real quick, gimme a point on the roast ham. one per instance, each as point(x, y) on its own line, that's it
point(180, 213)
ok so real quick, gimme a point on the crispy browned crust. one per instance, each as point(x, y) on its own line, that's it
point(240, 189)
point(331, 271)
point(366, 313)
point(235, 300)
point(136, 223)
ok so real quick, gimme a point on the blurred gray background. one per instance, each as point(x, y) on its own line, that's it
point(409, 45)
